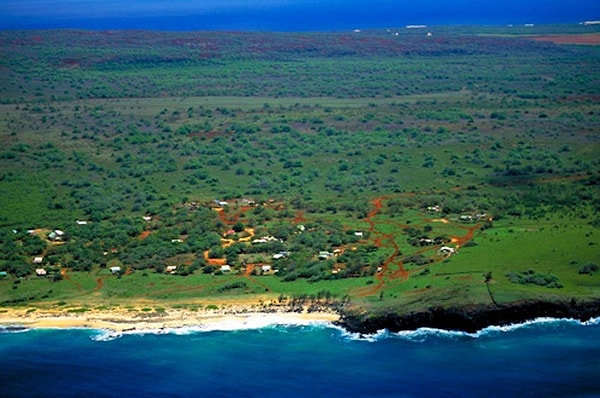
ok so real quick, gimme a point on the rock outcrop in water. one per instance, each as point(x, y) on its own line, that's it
point(468, 319)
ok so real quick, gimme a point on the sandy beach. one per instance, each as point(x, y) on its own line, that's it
point(140, 319)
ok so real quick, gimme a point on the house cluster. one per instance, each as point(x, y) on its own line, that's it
point(57, 236)
point(425, 241)
point(468, 218)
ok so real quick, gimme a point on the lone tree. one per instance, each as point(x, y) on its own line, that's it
point(488, 277)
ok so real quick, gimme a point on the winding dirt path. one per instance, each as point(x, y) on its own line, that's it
point(392, 268)
point(462, 240)
point(67, 277)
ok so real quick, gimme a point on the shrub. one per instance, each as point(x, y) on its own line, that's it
point(531, 277)
point(588, 268)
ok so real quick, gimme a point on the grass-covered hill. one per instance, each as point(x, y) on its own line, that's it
point(402, 167)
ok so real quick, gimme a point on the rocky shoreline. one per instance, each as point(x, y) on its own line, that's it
point(468, 319)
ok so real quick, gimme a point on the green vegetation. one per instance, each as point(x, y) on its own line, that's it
point(388, 170)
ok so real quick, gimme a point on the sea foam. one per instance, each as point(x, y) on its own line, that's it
point(422, 334)
point(251, 322)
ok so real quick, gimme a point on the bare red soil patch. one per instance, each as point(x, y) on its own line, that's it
point(299, 217)
point(590, 39)
point(145, 234)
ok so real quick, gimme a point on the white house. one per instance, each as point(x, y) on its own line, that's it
point(57, 235)
point(324, 255)
point(266, 268)
point(40, 272)
point(115, 270)
point(171, 269)
point(280, 255)
point(447, 250)
point(225, 268)
point(38, 260)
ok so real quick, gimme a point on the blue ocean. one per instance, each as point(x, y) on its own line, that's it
point(545, 358)
point(286, 15)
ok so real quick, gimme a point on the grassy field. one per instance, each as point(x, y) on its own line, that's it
point(457, 170)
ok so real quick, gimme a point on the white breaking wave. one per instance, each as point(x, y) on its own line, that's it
point(422, 334)
point(247, 323)
point(14, 329)
point(274, 322)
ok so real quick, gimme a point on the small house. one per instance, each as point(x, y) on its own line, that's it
point(57, 235)
point(280, 255)
point(225, 268)
point(447, 250)
point(38, 260)
point(3, 274)
point(40, 272)
point(266, 268)
point(171, 269)
point(324, 255)
point(115, 270)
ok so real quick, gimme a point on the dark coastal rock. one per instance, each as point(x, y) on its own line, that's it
point(468, 319)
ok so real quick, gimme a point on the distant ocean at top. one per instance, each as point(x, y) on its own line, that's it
point(316, 16)
point(547, 358)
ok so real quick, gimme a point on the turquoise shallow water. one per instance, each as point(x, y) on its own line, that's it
point(557, 358)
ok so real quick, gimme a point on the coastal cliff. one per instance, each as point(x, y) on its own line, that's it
point(468, 319)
